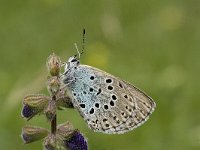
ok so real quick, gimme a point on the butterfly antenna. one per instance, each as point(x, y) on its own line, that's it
point(83, 44)
point(79, 54)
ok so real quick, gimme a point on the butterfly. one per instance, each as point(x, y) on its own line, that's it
point(107, 103)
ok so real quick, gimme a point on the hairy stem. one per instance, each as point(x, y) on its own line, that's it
point(54, 121)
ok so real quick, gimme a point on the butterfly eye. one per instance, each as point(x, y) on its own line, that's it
point(74, 60)
point(71, 58)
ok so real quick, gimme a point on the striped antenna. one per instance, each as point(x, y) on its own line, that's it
point(83, 44)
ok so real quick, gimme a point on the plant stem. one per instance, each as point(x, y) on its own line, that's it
point(54, 121)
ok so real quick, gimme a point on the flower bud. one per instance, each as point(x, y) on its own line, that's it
point(50, 142)
point(34, 104)
point(65, 130)
point(76, 141)
point(53, 65)
point(31, 134)
point(50, 111)
point(28, 112)
point(53, 85)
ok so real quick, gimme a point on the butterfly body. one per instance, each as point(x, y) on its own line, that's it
point(107, 103)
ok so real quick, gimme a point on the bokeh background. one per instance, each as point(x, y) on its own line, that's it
point(153, 44)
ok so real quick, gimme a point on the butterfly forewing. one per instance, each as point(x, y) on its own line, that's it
point(107, 103)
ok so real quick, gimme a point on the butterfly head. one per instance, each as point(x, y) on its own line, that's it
point(72, 63)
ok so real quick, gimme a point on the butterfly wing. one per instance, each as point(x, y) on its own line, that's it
point(107, 103)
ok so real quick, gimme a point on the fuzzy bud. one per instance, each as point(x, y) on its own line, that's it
point(53, 85)
point(65, 129)
point(50, 111)
point(33, 105)
point(50, 142)
point(53, 65)
point(31, 134)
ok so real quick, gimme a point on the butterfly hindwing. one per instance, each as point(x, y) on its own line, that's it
point(107, 103)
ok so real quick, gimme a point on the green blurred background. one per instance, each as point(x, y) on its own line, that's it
point(153, 44)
